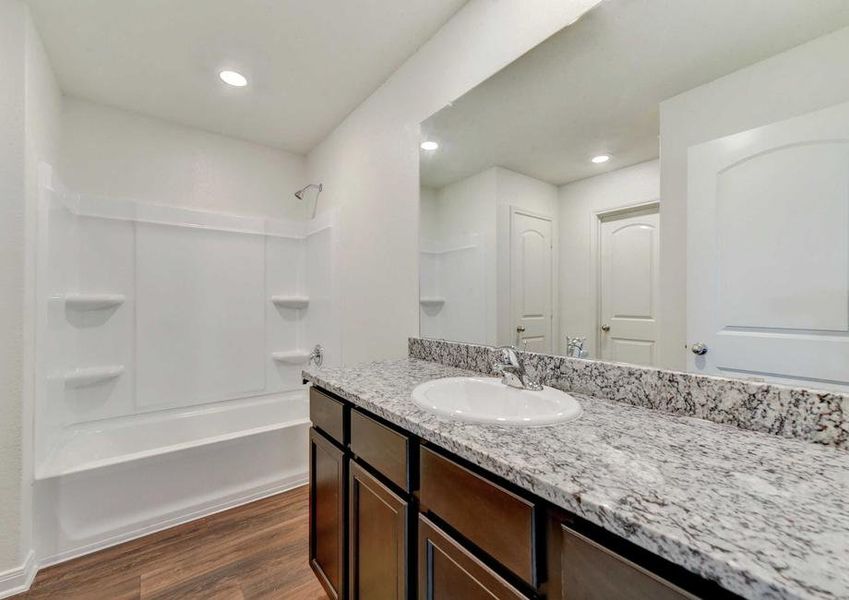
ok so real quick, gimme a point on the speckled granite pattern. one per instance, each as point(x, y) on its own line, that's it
point(816, 416)
point(764, 516)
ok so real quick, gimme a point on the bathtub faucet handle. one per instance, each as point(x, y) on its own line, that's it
point(316, 356)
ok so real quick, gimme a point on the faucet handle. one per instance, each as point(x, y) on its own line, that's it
point(510, 357)
point(316, 357)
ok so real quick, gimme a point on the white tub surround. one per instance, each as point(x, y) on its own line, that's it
point(159, 331)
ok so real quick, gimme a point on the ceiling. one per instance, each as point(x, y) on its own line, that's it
point(595, 86)
point(309, 62)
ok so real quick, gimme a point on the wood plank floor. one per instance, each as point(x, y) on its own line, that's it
point(254, 551)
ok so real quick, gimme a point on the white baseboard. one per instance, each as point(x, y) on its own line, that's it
point(190, 514)
point(17, 580)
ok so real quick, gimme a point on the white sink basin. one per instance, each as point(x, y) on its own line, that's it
point(487, 400)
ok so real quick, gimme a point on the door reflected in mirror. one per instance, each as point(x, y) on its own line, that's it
point(551, 220)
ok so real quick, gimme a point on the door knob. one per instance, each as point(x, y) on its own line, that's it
point(605, 328)
point(699, 349)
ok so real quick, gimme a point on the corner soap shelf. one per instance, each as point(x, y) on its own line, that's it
point(84, 302)
point(290, 301)
point(85, 377)
point(431, 301)
point(297, 357)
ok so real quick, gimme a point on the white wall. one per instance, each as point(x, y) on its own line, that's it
point(29, 112)
point(369, 164)
point(112, 152)
point(806, 78)
point(579, 203)
point(12, 213)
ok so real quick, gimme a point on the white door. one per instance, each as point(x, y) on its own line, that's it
point(768, 251)
point(628, 289)
point(531, 288)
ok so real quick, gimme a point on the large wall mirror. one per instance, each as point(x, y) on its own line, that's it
point(662, 183)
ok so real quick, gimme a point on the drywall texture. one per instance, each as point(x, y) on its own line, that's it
point(369, 164)
point(806, 78)
point(580, 202)
point(12, 211)
point(112, 152)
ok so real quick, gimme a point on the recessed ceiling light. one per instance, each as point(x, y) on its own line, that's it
point(429, 145)
point(601, 158)
point(233, 78)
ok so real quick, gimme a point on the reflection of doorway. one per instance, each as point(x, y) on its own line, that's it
point(768, 252)
point(628, 258)
point(531, 279)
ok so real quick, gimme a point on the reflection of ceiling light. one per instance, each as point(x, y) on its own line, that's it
point(233, 78)
point(429, 145)
point(601, 158)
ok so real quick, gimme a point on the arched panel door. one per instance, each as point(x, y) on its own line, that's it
point(768, 251)
point(531, 280)
point(628, 287)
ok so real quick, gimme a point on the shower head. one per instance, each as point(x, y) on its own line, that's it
point(300, 193)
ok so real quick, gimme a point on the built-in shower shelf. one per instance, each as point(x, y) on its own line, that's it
point(290, 301)
point(93, 301)
point(296, 357)
point(432, 301)
point(85, 377)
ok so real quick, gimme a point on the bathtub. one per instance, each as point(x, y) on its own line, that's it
point(109, 482)
point(106, 443)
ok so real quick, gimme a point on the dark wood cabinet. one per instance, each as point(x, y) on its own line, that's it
point(378, 539)
point(328, 506)
point(473, 506)
point(328, 415)
point(382, 448)
point(583, 569)
point(394, 517)
point(447, 571)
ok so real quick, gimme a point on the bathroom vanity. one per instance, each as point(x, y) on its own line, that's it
point(624, 502)
point(394, 516)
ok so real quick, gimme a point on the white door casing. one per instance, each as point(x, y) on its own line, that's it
point(768, 251)
point(532, 279)
point(629, 259)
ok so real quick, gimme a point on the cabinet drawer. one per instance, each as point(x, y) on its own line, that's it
point(384, 449)
point(447, 570)
point(496, 520)
point(592, 572)
point(328, 415)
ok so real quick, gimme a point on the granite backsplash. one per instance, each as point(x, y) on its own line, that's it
point(813, 415)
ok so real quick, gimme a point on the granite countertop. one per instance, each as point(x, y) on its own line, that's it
point(763, 516)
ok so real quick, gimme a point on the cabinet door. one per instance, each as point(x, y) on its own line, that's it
point(378, 521)
point(581, 569)
point(447, 571)
point(328, 478)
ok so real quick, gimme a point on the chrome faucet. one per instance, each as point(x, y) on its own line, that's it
point(316, 357)
point(575, 347)
point(512, 370)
